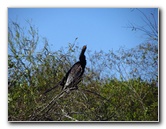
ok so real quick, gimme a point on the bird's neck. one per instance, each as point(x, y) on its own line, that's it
point(83, 60)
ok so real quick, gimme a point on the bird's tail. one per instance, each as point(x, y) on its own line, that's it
point(52, 88)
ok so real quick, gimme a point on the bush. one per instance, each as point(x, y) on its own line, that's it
point(117, 86)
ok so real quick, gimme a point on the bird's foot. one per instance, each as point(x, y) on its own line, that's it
point(74, 88)
point(67, 90)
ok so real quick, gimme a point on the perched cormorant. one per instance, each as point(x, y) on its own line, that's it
point(73, 76)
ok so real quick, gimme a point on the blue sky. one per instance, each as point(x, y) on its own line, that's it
point(98, 28)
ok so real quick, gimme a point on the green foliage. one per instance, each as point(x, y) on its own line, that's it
point(116, 86)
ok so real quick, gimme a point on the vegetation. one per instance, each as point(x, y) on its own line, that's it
point(117, 86)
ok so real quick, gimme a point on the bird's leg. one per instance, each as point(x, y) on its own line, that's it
point(74, 88)
point(66, 90)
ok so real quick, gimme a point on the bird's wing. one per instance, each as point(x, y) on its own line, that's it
point(74, 74)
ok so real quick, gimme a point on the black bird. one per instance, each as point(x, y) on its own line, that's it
point(73, 76)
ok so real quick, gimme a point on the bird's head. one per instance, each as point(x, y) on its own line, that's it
point(84, 48)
